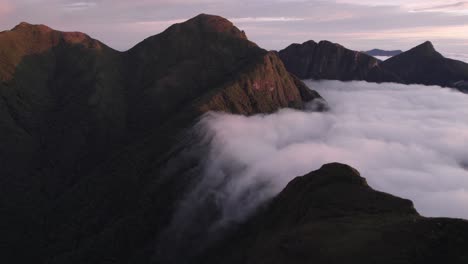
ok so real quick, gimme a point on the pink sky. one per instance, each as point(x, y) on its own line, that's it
point(273, 24)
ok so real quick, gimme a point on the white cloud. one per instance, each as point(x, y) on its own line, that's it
point(264, 19)
point(456, 56)
point(456, 7)
point(79, 6)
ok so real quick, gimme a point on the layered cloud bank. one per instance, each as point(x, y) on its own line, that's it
point(456, 56)
point(452, 55)
point(410, 141)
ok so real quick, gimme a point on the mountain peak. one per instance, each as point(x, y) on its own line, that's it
point(213, 23)
point(424, 49)
point(41, 34)
point(334, 173)
point(29, 39)
point(27, 27)
point(426, 45)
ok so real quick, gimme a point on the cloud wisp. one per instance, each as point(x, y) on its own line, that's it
point(456, 56)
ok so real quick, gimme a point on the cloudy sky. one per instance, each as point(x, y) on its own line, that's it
point(273, 24)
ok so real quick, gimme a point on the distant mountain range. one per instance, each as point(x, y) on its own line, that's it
point(97, 150)
point(383, 53)
point(420, 65)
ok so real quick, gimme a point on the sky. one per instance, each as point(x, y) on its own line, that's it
point(273, 24)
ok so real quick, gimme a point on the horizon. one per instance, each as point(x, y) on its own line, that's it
point(273, 25)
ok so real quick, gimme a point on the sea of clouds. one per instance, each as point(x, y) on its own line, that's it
point(382, 58)
point(456, 56)
point(407, 140)
point(452, 55)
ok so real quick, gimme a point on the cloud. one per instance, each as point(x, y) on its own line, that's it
point(456, 56)
point(79, 6)
point(264, 19)
point(457, 7)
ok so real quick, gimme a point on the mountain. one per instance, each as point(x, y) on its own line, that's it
point(326, 60)
point(87, 131)
point(332, 216)
point(420, 65)
point(424, 65)
point(383, 53)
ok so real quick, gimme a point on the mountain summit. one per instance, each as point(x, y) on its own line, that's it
point(28, 40)
point(424, 49)
point(211, 23)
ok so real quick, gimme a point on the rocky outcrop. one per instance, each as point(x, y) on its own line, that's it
point(332, 216)
point(87, 131)
point(263, 87)
point(326, 60)
point(383, 53)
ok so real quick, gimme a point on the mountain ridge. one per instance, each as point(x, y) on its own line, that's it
point(87, 130)
point(385, 53)
point(419, 65)
point(326, 60)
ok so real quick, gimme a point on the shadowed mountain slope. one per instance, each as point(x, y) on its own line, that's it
point(326, 60)
point(86, 130)
point(424, 65)
point(332, 216)
point(98, 150)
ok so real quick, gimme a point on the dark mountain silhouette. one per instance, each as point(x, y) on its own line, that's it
point(326, 60)
point(86, 129)
point(332, 216)
point(424, 65)
point(420, 65)
point(384, 53)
